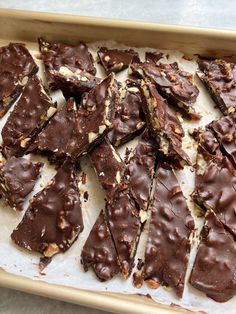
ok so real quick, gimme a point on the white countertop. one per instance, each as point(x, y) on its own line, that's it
point(203, 13)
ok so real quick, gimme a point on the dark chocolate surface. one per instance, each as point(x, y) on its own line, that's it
point(57, 55)
point(17, 180)
point(215, 189)
point(99, 252)
point(176, 85)
point(30, 114)
point(53, 220)
point(214, 268)
point(114, 60)
point(129, 117)
point(153, 57)
point(124, 222)
point(140, 170)
point(168, 245)
point(219, 78)
point(164, 125)
point(108, 166)
point(16, 65)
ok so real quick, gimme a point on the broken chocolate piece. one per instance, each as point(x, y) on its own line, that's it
point(153, 57)
point(99, 252)
point(164, 125)
point(108, 166)
point(168, 245)
point(73, 84)
point(219, 77)
point(129, 117)
point(140, 171)
point(53, 220)
point(114, 60)
point(174, 84)
point(32, 111)
point(225, 131)
point(124, 223)
point(57, 55)
point(16, 66)
point(214, 268)
point(215, 186)
point(17, 180)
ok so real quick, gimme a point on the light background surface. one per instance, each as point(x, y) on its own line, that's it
point(201, 13)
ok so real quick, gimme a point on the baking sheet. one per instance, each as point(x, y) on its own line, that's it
point(65, 269)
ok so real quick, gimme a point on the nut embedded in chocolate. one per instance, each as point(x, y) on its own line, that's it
point(16, 66)
point(53, 220)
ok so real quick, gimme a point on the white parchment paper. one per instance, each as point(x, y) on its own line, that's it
point(65, 269)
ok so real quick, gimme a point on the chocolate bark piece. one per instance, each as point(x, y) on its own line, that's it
point(164, 125)
point(114, 60)
point(139, 171)
point(125, 226)
point(153, 57)
point(168, 244)
point(53, 220)
point(108, 166)
point(174, 84)
point(55, 138)
point(99, 252)
point(129, 117)
point(214, 268)
point(73, 57)
point(16, 66)
point(225, 131)
point(73, 84)
point(215, 189)
point(219, 78)
point(32, 111)
point(17, 180)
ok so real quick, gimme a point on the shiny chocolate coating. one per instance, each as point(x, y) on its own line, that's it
point(16, 65)
point(153, 57)
point(28, 117)
point(214, 268)
point(114, 60)
point(56, 55)
point(174, 84)
point(53, 220)
point(168, 244)
point(108, 166)
point(164, 125)
point(17, 180)
point(99, 252)
point(129, 117)
point(219, 78)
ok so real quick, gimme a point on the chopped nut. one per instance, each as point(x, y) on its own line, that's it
point(92, 136)
point(101, 129)
point(51, 250)
point(152, 284)
point(51, 111)
point(133, 89)
point(24, 142)
point(143, 215)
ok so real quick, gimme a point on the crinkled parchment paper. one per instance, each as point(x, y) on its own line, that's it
point(65, 269)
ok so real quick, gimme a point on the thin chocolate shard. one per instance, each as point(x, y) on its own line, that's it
point(16, 66)
point(214, 268)
point(153, 57)
point(174, 84)
point(17, 180)
point(73, 84)
point(129, 118)
point(168, 244)
point(140, 171)
point(55, 138)
point(164, 125)
point(108, 166)
point(215, 185)
point(73, 57)
point(32, 111)
point(53, 220)
point(225, 132)
point(99, 252)
point(219, 77)
point(124, 223)
point(114, 60)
